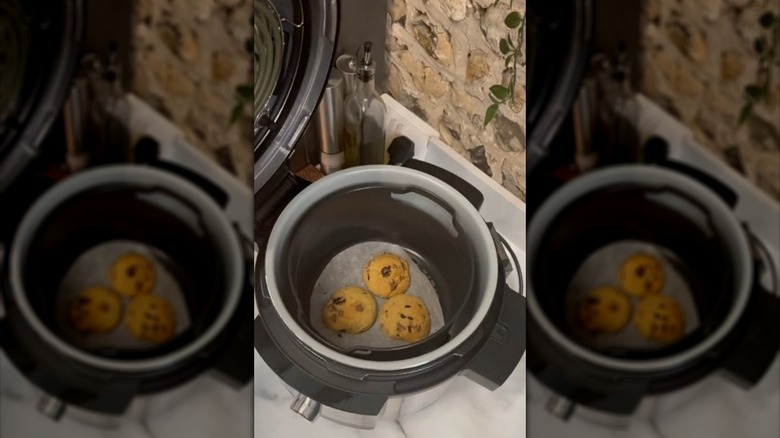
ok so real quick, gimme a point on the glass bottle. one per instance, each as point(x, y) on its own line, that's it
point(364, 117)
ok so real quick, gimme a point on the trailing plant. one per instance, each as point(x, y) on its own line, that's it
point(513, 49)
point(243, 93)
point(767, 47)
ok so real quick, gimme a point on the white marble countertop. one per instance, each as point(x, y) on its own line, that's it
point(203, 408)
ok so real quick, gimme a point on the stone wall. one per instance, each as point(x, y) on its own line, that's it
point(188, 58)
point(443, 56)
point(698, 57)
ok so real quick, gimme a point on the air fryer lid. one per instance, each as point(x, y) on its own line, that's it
point(655, 206)
point(443, 234)
point(39, 48)
point(294, 71)
point(136, 204)
point(558, 46)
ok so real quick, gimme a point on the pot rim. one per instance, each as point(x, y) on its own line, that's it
point(140, 177)
point(647, 176)
point(390, 176)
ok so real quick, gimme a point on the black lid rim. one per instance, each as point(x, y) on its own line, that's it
point(320, 44)
point(27, 140)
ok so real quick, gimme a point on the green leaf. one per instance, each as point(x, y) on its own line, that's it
point(513, 20)
point(745, 113)
point(754, 92)
point(504, 46)
point(236, 114)
point(245, 91)
point(766, 20)
point(490, 114)
point(760, 45)
point(500, 91)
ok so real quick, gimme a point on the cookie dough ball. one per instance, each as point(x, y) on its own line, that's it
point(151, 318)
point(96, 310)
point(405, 318)
point(642, 275)
point(350, 310)
point(605, 310)
point(660, 318)
point(132, 275)
point(386, 275)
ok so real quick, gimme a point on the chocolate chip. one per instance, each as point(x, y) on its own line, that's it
point(386, 271)
point(403, 316)
point(139, 285)
point(614, 307)
point(131, 271)
point(339, 300)
point(359, 307)
point(393, 285)
point(640, 271)
point(410, 329)
point(407, 307)
point(411, 319)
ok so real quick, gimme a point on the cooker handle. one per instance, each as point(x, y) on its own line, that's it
point(499, 357)
point(755, 352)
point(147, 152)
point(401, 151)
point(234, 363)
point(656, 151)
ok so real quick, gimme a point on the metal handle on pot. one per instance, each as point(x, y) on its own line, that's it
point(656, 151)
point(499, 357)
point(401, 151)
point(756, 349)
point(147, 150)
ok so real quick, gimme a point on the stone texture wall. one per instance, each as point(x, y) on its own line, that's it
point(698, 57)
point(443, 56)
point(188, 58)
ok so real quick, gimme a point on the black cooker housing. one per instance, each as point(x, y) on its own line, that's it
point(483, 357)
point(744, 355)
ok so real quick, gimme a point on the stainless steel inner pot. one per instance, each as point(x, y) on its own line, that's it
point(442, 231)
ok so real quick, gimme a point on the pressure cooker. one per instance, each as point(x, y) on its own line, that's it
point(688, 216)
point(440, 228)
